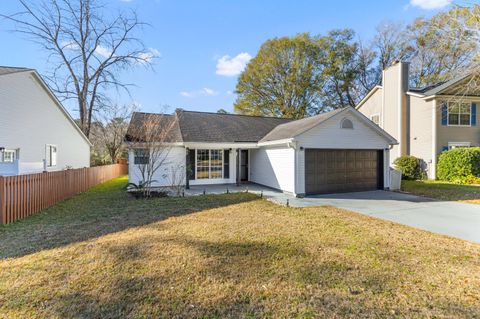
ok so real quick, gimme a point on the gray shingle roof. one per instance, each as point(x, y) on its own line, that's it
point(439, 87)
point(189, 126)
point(226, 128)
point(294, 128)
point(8, 69)
point(150, 127)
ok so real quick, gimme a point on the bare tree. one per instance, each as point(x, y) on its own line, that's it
point(109, 129)
point(176, 177)
point(86, 47)
point(459, 28)
point(445, 46)
point(391, 43)
point(151, 137)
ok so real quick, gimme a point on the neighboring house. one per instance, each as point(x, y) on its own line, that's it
point(425, 121)
point(332, 152)
point(36, 132)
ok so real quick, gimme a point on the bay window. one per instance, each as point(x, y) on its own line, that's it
point(209, 164)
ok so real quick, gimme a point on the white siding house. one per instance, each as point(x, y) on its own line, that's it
point(274, 167)
point(36, 132)
point(337, 151)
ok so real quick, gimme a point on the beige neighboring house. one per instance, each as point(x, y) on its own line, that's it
point(425, 121)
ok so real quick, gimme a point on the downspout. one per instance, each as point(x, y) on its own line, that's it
point(293, 144)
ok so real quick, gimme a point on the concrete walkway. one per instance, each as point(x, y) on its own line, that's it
point(454, 219)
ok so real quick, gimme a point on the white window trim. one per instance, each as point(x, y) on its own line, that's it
point(459, 125)
point(138, 150)
point(458, 144)
point(209, 164)
point(379, 118)
point(47, 155)
point(2, 155)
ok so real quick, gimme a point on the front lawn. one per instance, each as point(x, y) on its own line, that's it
point(104, 255)
point(443, 190)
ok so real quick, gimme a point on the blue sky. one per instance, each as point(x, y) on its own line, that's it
point(203, 45)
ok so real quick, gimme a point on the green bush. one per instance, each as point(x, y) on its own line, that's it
point(410, 167)
point(460, 165)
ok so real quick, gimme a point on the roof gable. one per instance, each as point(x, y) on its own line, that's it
point(296, 128)
point(35, 76)
point(4, 70)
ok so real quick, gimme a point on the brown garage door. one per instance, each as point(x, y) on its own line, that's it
point(335, 171)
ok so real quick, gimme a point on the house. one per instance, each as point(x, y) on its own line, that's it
point(36, 132)
point(338, 151)
point(425, 121)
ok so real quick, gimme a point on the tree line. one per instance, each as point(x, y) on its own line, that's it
point(308, 74)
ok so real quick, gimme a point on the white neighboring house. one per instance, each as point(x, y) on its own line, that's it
point(339, 151)
point(36, 132)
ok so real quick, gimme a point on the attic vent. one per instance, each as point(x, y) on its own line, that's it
point(346, 123)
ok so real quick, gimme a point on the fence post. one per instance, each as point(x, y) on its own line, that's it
point(3, 199)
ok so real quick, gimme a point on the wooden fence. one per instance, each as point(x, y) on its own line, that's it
point(24, 195)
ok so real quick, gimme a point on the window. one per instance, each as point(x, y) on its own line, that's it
point(452, 145)
point(375, 119)
point(346, 123)
point(209, 164)
point(203, 164)
point(459, 113)
point(8, 156)
point(140, 156)
point(51, 155)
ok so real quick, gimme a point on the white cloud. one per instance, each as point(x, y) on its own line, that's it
point(69, 45)
point(186, 94)
point(202, 92)
point(103, 51)
point(430, 4)
point(148, 56)
point(228, 66)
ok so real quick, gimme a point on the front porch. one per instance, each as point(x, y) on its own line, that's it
point(217, 165)
point(271, 194)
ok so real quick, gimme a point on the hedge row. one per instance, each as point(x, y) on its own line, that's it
point(460, 165)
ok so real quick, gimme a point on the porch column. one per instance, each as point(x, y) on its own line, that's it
point(187, 173)
point(237, 166)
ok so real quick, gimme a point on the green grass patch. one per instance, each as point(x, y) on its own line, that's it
point(443, 190)
point(103, 254)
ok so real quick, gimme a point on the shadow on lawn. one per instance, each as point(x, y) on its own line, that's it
point(247, 279)
point(103, 210)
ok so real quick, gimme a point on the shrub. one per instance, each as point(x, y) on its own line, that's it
point(410, 167)
point(460, 165)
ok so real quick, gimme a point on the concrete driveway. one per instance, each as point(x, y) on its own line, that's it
point(449, 218)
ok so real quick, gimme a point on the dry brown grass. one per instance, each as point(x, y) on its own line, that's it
point(233, 256)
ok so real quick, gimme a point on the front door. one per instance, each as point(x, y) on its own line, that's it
point(244, 165)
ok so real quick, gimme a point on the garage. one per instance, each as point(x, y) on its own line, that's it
point(338, 171)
